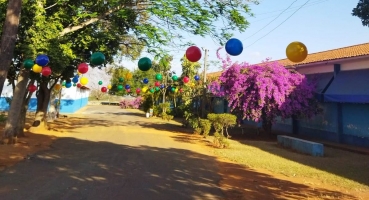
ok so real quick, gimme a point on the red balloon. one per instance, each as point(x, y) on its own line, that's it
point(138, 90)
point(181, 90)
point(157, 83)
point(83, 68)
point(104, 89)
point(128, 90)
point(46, 71)
point(186, 79)
point(79, 85)
point(32, 88)
point(193, 53)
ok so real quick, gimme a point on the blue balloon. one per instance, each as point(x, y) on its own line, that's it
point(197, 77)
point(162, 86)
point(145, 80)
point(42, 60)
point(234, 47)
point(68, 84)
point(127, 87)
point(75, 80)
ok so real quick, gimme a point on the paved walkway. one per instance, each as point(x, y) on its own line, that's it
point(111, 153)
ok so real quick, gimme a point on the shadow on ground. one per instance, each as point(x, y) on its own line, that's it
point(81, 169)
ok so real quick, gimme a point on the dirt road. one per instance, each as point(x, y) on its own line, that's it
point(110, 153)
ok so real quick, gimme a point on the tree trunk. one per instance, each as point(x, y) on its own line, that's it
point(10, 130)
point(8, 38)
point(266, 123)
point(43, 98)
point(23, 114)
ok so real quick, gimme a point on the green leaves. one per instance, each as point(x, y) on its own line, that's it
point(362, 11)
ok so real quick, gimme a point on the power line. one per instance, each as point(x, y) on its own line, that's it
point(272, 20)
point(279, 24)
point(309, 4)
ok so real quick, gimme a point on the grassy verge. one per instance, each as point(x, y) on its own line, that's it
point(339, 168)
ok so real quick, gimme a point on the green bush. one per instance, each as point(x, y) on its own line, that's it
point(220, 141)
point(165, 116)
point(197, 130)
point(3, 118)
point(205, 125)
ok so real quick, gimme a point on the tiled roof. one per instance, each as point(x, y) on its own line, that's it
point(344, 52)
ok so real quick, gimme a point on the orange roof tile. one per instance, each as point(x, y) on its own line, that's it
point(340, 53)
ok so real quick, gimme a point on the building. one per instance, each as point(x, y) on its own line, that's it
point(343, 93)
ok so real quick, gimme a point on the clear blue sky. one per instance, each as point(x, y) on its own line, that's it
point(320, 24)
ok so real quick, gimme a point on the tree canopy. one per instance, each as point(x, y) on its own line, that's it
point(362, 11)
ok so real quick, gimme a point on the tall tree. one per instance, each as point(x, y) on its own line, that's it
point(362, 11)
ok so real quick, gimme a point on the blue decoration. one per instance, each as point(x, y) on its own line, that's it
point(42, 60)
point(145, 80)
point(75, 80)
point(197, 77)
point(68, 84)
point(162, 86)
point(234, 47)
point(127, 87)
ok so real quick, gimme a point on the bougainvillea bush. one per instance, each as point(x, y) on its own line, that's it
point(131, 103)
point(263, 92)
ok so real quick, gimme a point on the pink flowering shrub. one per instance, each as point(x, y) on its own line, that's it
point(265, 91)
point(131, 103)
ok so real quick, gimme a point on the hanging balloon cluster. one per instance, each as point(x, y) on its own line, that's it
point(38, 66)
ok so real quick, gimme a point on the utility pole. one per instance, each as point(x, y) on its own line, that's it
point(204, 84)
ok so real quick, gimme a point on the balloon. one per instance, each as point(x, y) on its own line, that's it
point(68, 84)
point(121, 80)
point(181, 90)
point(234, 47)
point(197, 78)
point(109, 86)
point(176, 90)
point(36, 68)
point(32, 88)
point(79, 85)
point(144, 89)
point(63, 83)
point(138, 90)
point(145, 80)
point(97, 58)
point(193, 54)
point(159, 77)
point(82, 68)
point(46, 71)
point(128, 76)
point(157, 83)
point(74, 84)
point(157, 88)
point(128, 90)
point(175, 77)
point(75, 79)
point(127, 87)
point(120, 87)
point(186, 79)
point(152, 90)
point(57, 87)
point(42, 60)
point(100, 82)
point(28, 63)
point(162, 86)
point(296, 52)
point(173, 89)
point(104, 89)
point(144, 64)
point(83, 81)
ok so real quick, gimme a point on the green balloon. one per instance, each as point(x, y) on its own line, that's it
point(152, 90)
point(157, 88)
point(121, 80)
point(120, 87)
point(144, 64)
point(74, 84)
point(63, 83)
point(173, 89)
point(28, 63)
point(159, 77)
point(97, 58)
point(174, 77)
point(100, 82)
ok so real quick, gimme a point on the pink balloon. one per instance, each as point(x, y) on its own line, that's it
point(157, 83)
point(46, 71)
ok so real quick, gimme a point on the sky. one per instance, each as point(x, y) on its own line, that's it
point(320, 24)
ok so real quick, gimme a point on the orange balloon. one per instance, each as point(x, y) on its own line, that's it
point(57, 87)
point(296, 52)
point(128, 76)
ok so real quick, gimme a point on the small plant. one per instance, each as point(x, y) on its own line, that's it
point(3, 118)
point(220, 141)
point(205, 125)
point(165, 116)
point(197, 131)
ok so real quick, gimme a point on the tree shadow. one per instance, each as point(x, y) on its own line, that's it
point(82, 169)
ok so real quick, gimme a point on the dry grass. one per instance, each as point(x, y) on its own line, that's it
point(339, 168)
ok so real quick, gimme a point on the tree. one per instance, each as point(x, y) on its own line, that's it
point(362, 11)
point(263, 92)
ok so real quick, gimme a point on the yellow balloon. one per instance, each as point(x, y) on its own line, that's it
point(128, 76)
point(296, 52)
point(57, 87)
point(36, 68)
point(109, 86)
point(176, 90)
point(83, 80)
point(144, 89)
